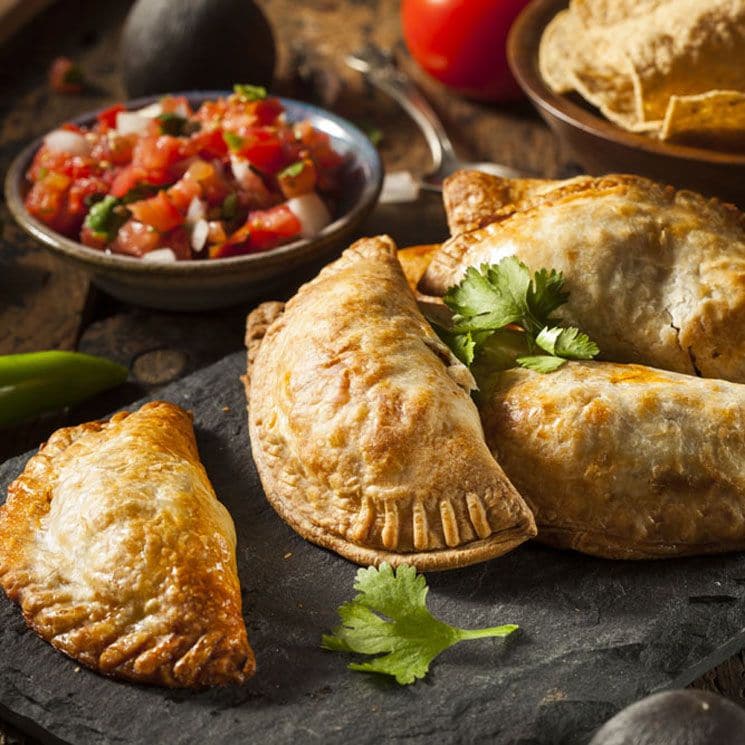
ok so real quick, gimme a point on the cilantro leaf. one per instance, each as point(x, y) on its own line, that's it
point(293, 170)
point(483, 300)
point(171, 123)
point(500, 299)
point(389, 617)
point(232, 140)
point(249, 92)
point(546, 294)
point(569, 343)
point(542, 363)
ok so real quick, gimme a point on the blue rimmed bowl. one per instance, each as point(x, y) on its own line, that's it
point(216, 283)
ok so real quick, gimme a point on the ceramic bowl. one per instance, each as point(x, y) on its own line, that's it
point(600, 146)
point(215, 283)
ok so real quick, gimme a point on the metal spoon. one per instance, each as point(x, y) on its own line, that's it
point(379, 69)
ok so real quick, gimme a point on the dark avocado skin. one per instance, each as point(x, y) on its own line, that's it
point(172, 45)
point(687, 717)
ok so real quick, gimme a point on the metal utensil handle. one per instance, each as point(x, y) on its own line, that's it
point(380, 71)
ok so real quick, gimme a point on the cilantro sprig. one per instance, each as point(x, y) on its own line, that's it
point(249, 93)
point(389, 618)
point(491, 304)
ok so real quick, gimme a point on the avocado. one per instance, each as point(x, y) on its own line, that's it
point(172, 46)
point(686, 717)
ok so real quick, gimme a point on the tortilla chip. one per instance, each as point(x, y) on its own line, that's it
point(556, 51)
point(607, 12)
point(713, 119)
point(684, 48)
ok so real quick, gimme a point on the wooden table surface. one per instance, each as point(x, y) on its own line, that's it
point(44, 304)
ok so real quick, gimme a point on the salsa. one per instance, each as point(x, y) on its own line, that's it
point(167, 183)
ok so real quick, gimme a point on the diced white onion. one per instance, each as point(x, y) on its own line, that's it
point(199, 235)
point(131, 123)
point(399, 186)
point(241, 168)
point(197, 211)
point(312, 213)
point(151, 111)
point(164, 255)
point(64, 141)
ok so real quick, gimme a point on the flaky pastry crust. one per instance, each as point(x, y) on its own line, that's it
point(655, 275)
point(362, 428)
point(120, 555)
point(623, 461)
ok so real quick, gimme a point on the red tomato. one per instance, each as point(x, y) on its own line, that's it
point(158, 212)
point(208, 143)
point(182, 192)
point(107, 118)
point(267, 110)
point(157, 154)
point(47, 200)
point(65, 76)
point(135, 239)
point(127, 179)
point(82, 188)
point(263, 148)
point(462, 43)
point(265, 229)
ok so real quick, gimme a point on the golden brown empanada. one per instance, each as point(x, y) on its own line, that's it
point(655, 275)
point(120, 555)
point(362, 428)
point(623, 461)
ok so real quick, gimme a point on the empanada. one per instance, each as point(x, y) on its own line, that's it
point(120, 555)
point(623, 461)
point(655, 275)
point(362, 427)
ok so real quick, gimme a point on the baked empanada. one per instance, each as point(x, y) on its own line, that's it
point(623, 461)
point(362, 427)
point(120, 555)
point(655, 275)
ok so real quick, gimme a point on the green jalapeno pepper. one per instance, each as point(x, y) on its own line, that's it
point(38, 382)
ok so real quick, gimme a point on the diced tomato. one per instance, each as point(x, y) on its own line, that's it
point(47, 200)
point(212, 111)
point(208, 144)
point(107, 118)
point(213, 184)
point(135, 239)
point(158, 212)
point(178, 241)
point(297, 179)
point(114, 148)
point(176, 105)
point(262, 147)
point(65, 76)
point(157, 154)
point(126, 180)
point(74, 166)
point(265, 229)
point(267, 110)
point(94, 240)
point(82, 188)
point(182, 192)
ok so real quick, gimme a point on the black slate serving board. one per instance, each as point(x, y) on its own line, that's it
point(595, 635)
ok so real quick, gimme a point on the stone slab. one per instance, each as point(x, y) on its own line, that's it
point(595, 635)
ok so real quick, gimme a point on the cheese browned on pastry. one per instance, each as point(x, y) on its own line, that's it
point(623, 461)
point(362, 427)
point(120, 555)
point(655, 275)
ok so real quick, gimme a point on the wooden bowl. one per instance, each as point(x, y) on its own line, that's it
point(600, 146)
point(216, 283)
